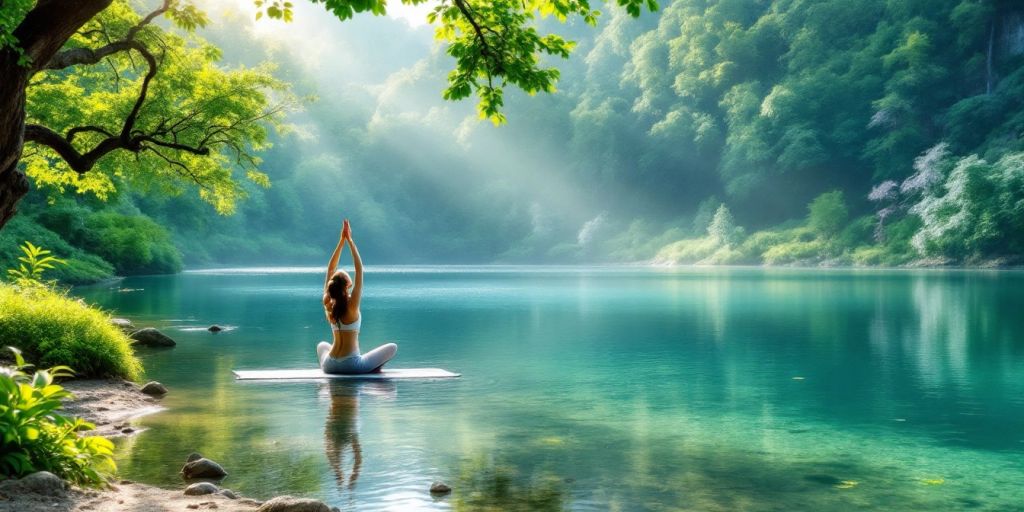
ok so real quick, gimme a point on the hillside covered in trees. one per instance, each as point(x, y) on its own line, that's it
point(867, 132)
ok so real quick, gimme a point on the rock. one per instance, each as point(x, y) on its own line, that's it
point(215, 328)
point(40, 482)
point(127, 430)
point(154, 388)
point(440, 488)
point(229, 494)
point(290, 504)
point(201, 488)
point(151, 337)
point(123, 323)
point(202, 468)
point(194, 456)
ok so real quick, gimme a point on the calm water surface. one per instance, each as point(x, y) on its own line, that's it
point(600, 389)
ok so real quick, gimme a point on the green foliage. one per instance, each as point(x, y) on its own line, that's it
point(692, 250)
point(494, 43)
point(32, 265)
point(11, 14)
point(56, 330)
point(206, 123)
point(978, 211)
point(827, 213)
point(81, 268)
point(795, 252)
point(723, 228)
point(133, 243)
point(36, 438)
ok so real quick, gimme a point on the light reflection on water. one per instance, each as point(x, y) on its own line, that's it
point(598, 389)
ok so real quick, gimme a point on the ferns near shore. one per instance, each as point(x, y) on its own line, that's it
point(36, 438)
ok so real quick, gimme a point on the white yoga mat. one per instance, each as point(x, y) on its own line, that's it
point(317, 374)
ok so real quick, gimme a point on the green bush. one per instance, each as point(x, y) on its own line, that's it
point(133, 243)
point(827, 213)
point(691, 250)
point(35, 438)
point(795, 252)
point(56, 330)
point(82, 267)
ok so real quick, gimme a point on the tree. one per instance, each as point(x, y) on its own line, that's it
point(827, 213)
point(723, 228)
point(494, 43)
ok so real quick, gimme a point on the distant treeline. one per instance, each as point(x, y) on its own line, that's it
point(872, 132)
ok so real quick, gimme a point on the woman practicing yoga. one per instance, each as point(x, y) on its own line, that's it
point(342, 310)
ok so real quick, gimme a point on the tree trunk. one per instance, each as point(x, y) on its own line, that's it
point(41, 34)
point(13, 183)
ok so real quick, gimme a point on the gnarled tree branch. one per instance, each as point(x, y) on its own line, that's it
point(76, 56)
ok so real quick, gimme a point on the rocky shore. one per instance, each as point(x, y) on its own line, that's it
point(110, 404)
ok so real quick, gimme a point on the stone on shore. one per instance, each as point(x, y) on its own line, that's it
point(154, 388)
point(229, 494)
point(40, 482)
point(202, 468)
point(290, 504)
point(440, 488)
point(123, 323)
point(151, 337)
point(201, 488)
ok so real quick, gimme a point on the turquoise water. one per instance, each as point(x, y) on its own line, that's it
point(600, 389)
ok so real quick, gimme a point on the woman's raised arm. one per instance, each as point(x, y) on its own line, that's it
point(333, 264)
point(357, 286)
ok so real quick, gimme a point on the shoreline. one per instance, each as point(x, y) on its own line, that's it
point(111, 404)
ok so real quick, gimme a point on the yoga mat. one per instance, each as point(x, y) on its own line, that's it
point(317, 374)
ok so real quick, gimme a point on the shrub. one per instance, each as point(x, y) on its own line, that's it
point(827, 213)
point(56, 330)
point(795, 252)
point(691, 250)
point(82, 267)
point(723, 228)
point(133, 243)
point(35, 438)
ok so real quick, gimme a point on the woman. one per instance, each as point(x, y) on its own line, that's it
point(342, 310)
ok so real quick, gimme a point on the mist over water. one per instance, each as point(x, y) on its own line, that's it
point(600, 388)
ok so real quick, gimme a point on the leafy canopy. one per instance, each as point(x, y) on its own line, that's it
point(200, 125)
point(495, 43)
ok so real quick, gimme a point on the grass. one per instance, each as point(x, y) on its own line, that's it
point(52, 329)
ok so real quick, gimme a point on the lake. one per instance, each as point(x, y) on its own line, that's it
point(599, 388)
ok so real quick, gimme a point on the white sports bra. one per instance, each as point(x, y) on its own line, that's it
point(354, 326)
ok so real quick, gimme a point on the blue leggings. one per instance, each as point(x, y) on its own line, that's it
point(356, 363)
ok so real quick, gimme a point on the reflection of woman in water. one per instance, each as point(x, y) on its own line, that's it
point(341, 433)
point(342, 310)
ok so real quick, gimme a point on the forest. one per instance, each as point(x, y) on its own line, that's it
point(783, 132)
